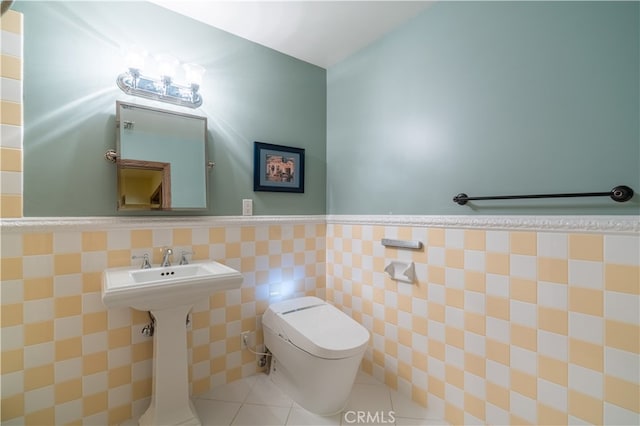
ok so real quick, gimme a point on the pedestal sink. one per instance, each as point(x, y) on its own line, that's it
point(169, 293)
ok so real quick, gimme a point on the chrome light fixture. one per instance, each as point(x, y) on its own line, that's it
point(164, 88)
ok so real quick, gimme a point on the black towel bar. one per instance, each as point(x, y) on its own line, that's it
point(620, 194)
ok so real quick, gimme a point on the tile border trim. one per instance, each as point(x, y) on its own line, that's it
point(41, 224)
point(624, 224)
point(627, 224)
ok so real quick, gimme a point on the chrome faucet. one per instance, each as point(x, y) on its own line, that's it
point(166, 253)
point(145, 261)
point(183, 257)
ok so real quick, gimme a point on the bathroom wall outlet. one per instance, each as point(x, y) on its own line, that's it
point(247, 207)
point(247, 339)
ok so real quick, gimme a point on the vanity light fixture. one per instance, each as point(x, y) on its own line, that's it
point(164, 88)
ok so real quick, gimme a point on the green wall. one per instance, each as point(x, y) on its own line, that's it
point(489, 98)
point(73, 54)
point(486, 98)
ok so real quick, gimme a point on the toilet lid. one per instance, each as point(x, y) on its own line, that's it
point(317, 327)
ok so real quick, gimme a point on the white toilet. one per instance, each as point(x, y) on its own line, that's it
point(316, 350)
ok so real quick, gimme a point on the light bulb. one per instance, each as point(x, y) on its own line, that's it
point(193, 73)
point(135, 57)
point(167, 65)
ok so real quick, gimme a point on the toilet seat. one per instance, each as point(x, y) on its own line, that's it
point(316, 327)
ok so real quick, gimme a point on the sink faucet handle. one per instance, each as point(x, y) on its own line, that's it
point(145, 261)
point(166, 253)
point(183, 257)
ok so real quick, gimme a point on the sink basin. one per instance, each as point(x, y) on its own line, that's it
point(166, 287)
point(169, 293)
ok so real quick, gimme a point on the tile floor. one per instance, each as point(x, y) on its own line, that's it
point(256, 400)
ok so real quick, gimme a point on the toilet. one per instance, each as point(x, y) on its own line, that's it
point(316, 350)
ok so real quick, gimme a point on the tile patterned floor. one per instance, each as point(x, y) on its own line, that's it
point(256, 400)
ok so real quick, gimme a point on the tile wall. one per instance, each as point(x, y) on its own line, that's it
point(11, 115)
point(502, 326)
point(67, 359)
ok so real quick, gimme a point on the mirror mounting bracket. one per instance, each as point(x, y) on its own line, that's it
point(111, 155)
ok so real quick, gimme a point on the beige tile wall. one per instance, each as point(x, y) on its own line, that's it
point(501, 327)
point(66, 359)
point(11, 114)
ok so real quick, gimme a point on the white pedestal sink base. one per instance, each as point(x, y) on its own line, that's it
point(170, 403)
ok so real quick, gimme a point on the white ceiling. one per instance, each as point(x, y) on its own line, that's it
point(319, 32)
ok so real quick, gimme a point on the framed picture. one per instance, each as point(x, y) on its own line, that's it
point(278, 168)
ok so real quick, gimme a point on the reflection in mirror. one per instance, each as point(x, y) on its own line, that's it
point(162, 162)
point(144, 185)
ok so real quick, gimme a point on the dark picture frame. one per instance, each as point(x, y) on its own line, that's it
point(278, 168)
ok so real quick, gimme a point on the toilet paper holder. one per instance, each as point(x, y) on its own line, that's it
point(401, 271)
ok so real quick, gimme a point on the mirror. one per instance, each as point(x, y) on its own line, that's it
point(162, 161)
